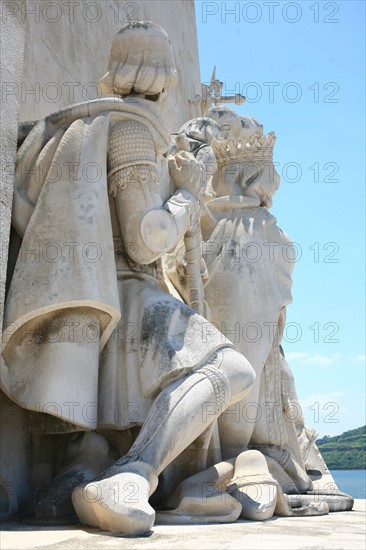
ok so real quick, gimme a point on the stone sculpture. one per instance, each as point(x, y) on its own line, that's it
point(164, 368)
point(100, 342)
point(248, 267)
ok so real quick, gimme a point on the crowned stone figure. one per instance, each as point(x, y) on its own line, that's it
point(248, 263)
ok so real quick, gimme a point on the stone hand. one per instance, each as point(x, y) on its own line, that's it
point(186, 172)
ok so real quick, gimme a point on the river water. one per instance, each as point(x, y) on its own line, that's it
point(352, 482)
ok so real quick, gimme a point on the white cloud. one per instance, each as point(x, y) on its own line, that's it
point(361, 358)
point(296, 355)
point(308, 359)
point(321, 360)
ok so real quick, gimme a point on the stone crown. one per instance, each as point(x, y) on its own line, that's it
point(232, 150)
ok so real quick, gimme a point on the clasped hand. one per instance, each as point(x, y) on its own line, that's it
point(186, 173)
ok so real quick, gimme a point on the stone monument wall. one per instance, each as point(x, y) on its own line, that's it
point(67, 50)
point(13, 460)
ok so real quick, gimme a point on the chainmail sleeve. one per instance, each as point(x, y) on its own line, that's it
point(148, 226)
point(131, 155)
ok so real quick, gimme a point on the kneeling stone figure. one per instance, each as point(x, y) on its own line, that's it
point(167, 369)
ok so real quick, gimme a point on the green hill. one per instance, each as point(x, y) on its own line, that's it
point(346, 451)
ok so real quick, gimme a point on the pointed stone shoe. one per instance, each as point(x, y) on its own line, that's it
point(119, 501)
point(253, 486)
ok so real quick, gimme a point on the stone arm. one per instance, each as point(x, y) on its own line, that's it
point(149, 227)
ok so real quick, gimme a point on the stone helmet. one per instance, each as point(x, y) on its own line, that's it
point(230, 122)
point(141, 61)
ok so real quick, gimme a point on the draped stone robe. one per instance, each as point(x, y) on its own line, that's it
point(91, 336)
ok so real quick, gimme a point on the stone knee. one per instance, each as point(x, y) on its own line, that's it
point(238, 371)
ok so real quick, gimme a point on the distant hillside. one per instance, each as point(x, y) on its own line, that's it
point(346, 451)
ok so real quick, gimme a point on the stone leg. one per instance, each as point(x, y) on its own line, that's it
point(118, 499)
point(236, 429)
point(87, 455)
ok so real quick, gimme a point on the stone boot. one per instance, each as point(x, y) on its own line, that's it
point(253, 486)
point(119, 501)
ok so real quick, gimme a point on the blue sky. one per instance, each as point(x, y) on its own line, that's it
point(302, 67)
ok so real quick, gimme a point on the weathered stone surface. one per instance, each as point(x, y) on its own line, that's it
point(340, 531)
point(13, 459)
point(66, 53)
point(201, 199)
point(141, 197)
point(71, 41)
